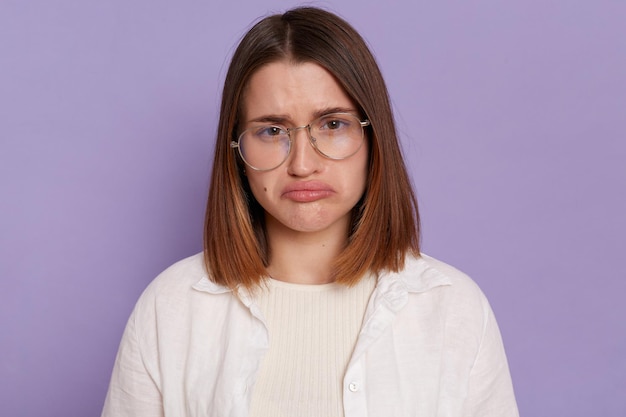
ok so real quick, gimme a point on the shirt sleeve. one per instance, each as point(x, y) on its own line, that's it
point(490, 392)
point(133, 391)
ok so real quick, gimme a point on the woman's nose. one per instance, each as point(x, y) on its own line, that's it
point(304, 160)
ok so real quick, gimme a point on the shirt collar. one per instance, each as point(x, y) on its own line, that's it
point(206, 285)
point(418, 275)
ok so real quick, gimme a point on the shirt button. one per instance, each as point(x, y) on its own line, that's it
point(353, 387)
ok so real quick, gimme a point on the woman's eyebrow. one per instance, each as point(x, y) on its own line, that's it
point(330, 110)
point(270, 118)
point(284, 119)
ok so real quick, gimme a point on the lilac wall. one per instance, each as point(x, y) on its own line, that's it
point(513, 117)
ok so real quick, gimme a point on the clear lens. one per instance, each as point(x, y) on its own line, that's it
point(264, 147)
point(336, 136)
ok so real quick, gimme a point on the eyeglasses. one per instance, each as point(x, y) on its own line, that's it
point(335, 136)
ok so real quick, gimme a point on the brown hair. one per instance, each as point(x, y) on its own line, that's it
point(385, 222)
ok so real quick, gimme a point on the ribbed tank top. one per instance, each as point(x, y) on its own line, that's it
point(312, 330)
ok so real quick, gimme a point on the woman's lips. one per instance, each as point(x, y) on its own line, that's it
point(307, 191)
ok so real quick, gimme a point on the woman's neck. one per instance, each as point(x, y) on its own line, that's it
point(304, 257)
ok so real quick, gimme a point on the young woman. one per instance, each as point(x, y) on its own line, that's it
point(311, 297)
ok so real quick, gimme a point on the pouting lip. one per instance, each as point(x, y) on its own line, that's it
point(307, 186)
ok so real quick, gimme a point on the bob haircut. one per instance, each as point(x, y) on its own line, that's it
point(385, 222)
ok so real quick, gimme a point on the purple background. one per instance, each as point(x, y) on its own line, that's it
point(513, 121)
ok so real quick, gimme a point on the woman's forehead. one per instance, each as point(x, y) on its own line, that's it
point(285, 89)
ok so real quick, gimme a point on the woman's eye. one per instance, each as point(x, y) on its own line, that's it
point(269, 131)
point(334, 124)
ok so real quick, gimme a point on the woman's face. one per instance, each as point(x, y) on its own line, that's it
point(308, 192)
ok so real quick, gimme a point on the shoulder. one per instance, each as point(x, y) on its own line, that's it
point(452, 289)
point(179, 287)
point(177, 294)
point(423, 273)
point(180, 276)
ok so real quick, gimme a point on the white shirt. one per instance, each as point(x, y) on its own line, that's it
point(429, 346)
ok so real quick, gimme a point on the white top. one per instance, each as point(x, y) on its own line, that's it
point(429, 346)
point(312, 332)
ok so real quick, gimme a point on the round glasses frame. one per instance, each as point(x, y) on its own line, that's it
point(312, 139)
